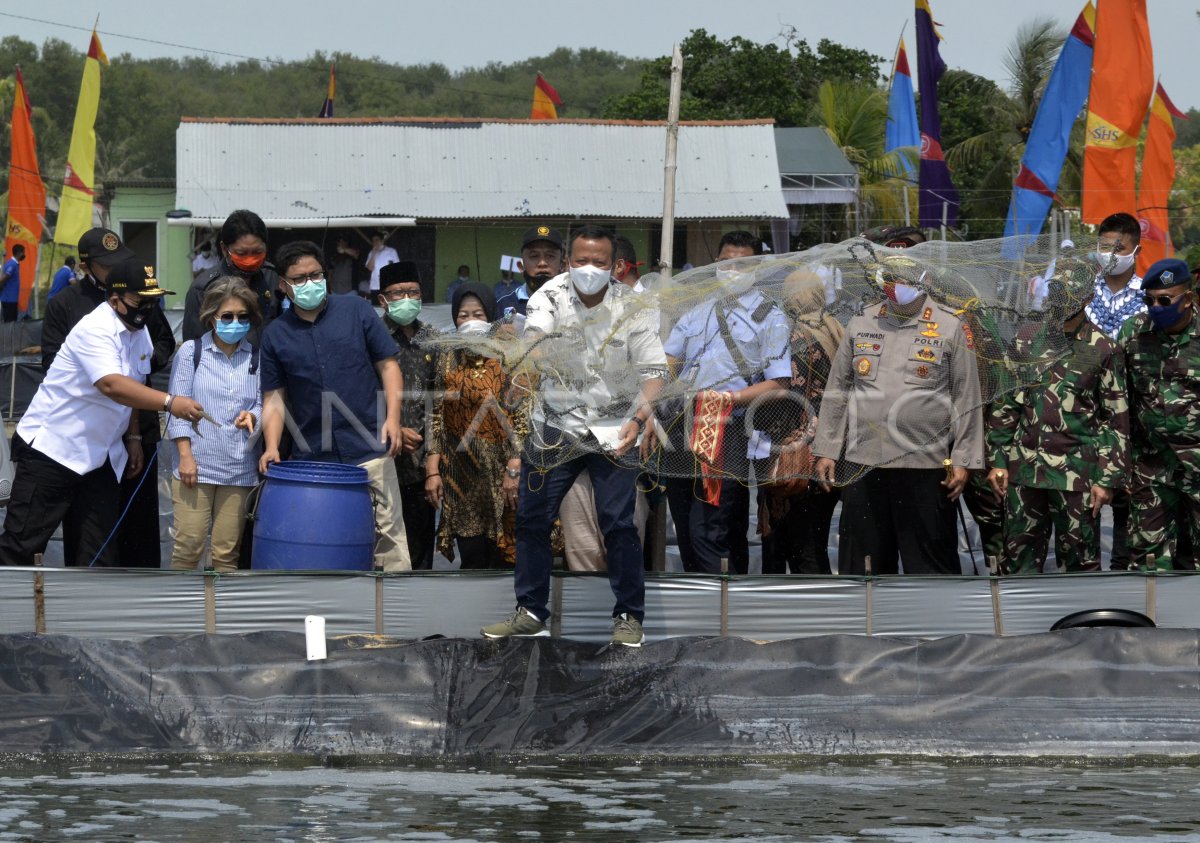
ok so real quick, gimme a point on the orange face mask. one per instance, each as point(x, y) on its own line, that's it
point(247, 263)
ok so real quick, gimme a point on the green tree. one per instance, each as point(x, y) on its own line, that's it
point(739, 79)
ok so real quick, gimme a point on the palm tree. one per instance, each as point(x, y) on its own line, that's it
point(855, 116)
point(992, 158)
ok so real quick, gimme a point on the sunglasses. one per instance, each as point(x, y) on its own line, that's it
point(229, 318)
point(1152, 300)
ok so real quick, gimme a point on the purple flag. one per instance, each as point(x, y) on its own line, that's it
point(937, 193)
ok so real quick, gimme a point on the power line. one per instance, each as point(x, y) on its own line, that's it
point(268, 61)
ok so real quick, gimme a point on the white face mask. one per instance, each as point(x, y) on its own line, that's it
point(905, 294)
point(901, 294)
point(590, 280)
point(734, 282)
point(473, 327)
point(1111, 264)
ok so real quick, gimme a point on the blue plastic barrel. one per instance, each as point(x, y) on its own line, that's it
point(314, 516)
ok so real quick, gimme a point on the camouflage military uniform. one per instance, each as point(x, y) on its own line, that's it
point(1164, 395)
point(1057, 438)
point(995, 380)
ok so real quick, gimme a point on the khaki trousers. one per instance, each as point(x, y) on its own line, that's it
point(584, 546)
point(207, 508)
point(391, 542)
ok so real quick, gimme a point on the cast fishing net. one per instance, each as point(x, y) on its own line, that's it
point(1012, 300)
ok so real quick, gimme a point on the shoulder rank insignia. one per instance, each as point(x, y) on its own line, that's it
point(927, 315)
point(969, 336)
point(931, 330)
point(882, 310)
point(864, 367)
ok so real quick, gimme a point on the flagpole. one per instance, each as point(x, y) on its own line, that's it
point(667, 244)
point(896, 54)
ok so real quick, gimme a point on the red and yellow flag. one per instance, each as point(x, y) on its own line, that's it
point(79, 183)
point(26, 191)
point(1158, 174)
point(545, 100)
point(1122, 83)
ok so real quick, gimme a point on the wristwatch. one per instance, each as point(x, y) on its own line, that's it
point(513, 472)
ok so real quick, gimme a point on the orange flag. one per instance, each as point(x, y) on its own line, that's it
point(545, 100)
point(26, 192)
point(1158, 174)
point(1122, 83)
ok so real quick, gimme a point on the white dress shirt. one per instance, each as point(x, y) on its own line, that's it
point(607, 351)
point(69, 420)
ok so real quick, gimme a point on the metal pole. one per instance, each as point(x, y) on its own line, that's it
point(667, 245)
point(907, 212)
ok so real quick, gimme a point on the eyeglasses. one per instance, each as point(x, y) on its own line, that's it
point(1152, 300)
point(397, 295)
point(296, 281)
point(229, 318)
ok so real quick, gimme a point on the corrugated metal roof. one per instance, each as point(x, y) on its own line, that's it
point(457, 169)
point(808, 150)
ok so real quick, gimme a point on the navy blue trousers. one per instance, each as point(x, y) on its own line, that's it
point(547, 472)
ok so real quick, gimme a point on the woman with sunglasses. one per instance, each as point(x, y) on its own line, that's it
point(214, 470)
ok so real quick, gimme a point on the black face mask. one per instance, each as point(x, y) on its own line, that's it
point(534, 282)
point(135, 317)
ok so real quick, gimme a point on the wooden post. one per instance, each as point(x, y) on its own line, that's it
point(870, 586)
point(39, 597)
point(667, 244)
point(210, 601)
point(1152, 595)
point(556, 604)
point(994, 585)
point(378, 604)
point(724, 597)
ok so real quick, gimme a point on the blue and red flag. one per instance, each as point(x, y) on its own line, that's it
point(1046, 148)
point(938, 198)
point(902, 127)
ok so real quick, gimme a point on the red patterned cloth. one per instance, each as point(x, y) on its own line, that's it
point(708, 437)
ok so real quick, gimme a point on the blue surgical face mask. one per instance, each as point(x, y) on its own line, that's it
point(309, 295)
point(232, 332)
point(1166, 317)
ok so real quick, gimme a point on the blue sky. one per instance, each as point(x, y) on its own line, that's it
point(463, 33)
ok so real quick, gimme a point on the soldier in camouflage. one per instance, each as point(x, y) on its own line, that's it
point(1162, 354)
point(1059, 447)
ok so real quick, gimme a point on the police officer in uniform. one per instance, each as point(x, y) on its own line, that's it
point(901, 422)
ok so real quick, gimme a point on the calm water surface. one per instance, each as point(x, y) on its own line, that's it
point(884, 801)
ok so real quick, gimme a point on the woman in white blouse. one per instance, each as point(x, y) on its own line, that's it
point(215, 467)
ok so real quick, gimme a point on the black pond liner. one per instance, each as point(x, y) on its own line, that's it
point(1078, 693)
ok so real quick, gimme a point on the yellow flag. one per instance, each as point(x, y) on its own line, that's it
point(79, 183)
